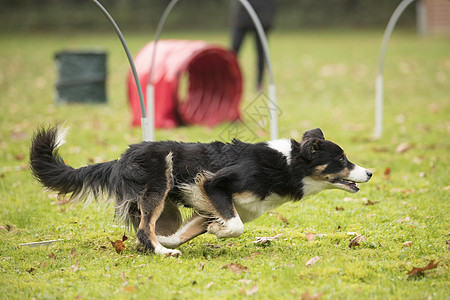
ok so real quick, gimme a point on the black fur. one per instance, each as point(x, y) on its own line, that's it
point(150, 173)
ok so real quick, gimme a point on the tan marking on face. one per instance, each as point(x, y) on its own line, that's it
point(317, 173)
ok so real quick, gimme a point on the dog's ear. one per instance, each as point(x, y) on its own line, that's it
point(309, 146)
point(313, 134)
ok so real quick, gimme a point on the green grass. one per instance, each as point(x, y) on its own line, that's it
point(324, 79)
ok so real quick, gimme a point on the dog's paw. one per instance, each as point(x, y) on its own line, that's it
point(219, 231)
point(167, 252)
point(233, 228)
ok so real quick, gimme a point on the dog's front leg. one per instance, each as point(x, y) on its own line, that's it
point(224, 228)
point(227, 223)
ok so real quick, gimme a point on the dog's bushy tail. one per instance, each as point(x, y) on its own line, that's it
point(51, 170)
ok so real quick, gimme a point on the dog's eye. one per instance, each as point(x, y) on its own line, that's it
point(342, 160)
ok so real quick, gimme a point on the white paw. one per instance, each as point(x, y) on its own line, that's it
point(231, 228)
point(167, 252)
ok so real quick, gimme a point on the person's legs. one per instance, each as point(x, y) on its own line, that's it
point(260, 60)
point(238, 35)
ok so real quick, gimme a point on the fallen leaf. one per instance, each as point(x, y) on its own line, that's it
point(6, 227)
point(307, 296)
point(52, 256)
point(387, 173)
point(279, 217)
point(31, 270)
point(355, 241)
point(235, 268)
point(369, 202)
point(123, 276)
point(407, 219)
point(118, 245)
point(416, 272)
point(20, 156)
point(73, 253)
point(130, 289)
point(310, 236)
point(212, 246)
point(339, 208)
point(74, 267)
point(312, 261)
point(403, 147)
point(266, 240)
point(407, 244)
point(448, 244)
point(202, 266)
point(252, 255)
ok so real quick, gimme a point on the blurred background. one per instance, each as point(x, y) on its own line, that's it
point(67, 15)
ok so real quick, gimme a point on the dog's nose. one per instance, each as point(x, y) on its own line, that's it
point(369, 174)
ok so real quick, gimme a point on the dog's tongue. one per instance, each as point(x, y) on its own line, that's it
point(352, 185)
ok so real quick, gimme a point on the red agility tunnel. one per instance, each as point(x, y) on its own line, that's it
point(213, 88)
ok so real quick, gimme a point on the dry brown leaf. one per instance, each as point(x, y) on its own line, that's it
point(279, 217)
point(252, 255)
point(73, 253)
point(118, 245)
point(403, 147)
point(339, 208)
point(212, 246)
point(52, 256)
point(369, 202)
point(266, 239)
point(407, 244)
point(312, 261)
point(310, 236)
point(74, 267)
point(355, 241)
point(123, 276)
point(416, 272)
point(387, 173)
point(307, 296)
point(407, 219)
point(6, 227)
point(202, 266)
point(129, 289)
point(235, 268)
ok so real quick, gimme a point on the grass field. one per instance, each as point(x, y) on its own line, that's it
point(324, 79)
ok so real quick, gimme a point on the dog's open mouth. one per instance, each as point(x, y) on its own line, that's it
point(346, 185)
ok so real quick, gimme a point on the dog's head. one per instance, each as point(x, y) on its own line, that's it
point(329, 167)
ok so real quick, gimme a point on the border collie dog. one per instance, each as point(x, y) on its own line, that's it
point(226, 184)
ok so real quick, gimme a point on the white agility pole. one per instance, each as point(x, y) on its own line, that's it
point(263, 38)
point(147, 133)
point(379, 79)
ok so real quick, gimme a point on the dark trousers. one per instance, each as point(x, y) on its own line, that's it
point(237, 38)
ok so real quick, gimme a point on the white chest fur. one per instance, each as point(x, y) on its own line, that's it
point(250, 207)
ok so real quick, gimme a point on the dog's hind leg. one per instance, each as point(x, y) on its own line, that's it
point(151, 206)
point(196, 226)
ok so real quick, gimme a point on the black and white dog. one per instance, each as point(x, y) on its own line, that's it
point(226, 184)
